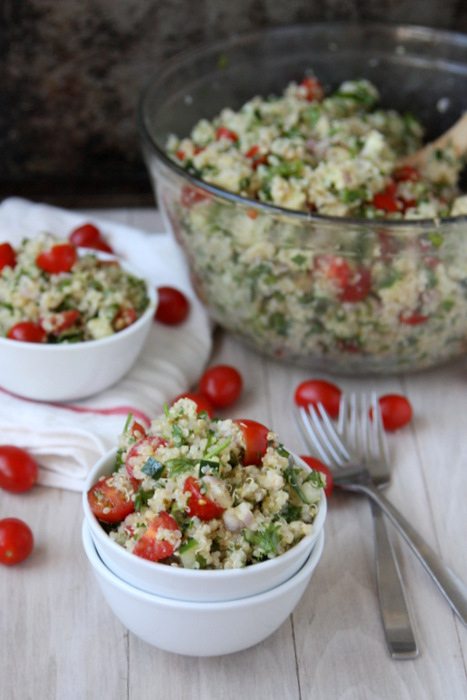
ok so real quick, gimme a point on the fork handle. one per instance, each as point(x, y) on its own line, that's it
point(454, 590)
point(397, 622)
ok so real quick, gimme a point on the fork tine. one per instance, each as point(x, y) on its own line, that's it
point(308, 434)
point(329, 434)
point(381, 444)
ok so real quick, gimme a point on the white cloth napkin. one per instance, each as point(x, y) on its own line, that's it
point(67, 439)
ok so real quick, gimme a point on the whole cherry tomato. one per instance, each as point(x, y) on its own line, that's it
point(202, 403)
point(27, 332)
point(89, 236)
point(315, 391)
point(108, 503)
point(18, 470)
point(16, 541)
point(173, 307)
point(60, 258)
point(198, 504)
point(255, 436)
point(222, 385)
point(151, 545)
point(323, 469)
point(396, 411)
point(7, 256)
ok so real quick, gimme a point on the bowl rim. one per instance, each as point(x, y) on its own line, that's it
point(169, 67)
point(198, 574)
point(151, 292)
point(205, 606)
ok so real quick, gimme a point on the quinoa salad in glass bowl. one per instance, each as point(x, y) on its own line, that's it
point(199, 493)
point(51, 292)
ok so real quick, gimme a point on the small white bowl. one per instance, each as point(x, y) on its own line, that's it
point(62, 372)
point(195, 628)
point(188, 584)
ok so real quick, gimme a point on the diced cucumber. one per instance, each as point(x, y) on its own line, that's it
point(187, 554)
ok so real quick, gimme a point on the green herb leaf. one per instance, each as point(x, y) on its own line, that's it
point(267, 540)
point(142, 497)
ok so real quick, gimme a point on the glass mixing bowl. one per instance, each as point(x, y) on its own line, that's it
point(252, 263)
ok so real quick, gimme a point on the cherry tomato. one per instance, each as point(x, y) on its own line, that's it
point(137, 430)
point(257, 157)
point(85, 236)
point(335, 268)
point(60, 258)
point(255, 436)
point(57, 322)
point(202, 403)
point(396, 411)
point(222, 385)
point(386, 202)
point(224, 133)
point(406, 172)
point(108, 503)
point(27, 332)
point(358, 286)
point(7, 256)
point(140, 453)
point(191, 196)
point(16, 541)
point(198, 504)
point(173, 307)
point(314, 89)
point(412, 318)
point(149, 545)
point(18, 470)
point(314, 391)
point(323, 469)
point(124, 318)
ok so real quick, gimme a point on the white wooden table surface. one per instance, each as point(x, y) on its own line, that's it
point(59, 640)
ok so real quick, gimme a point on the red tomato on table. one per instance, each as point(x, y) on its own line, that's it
point(222, 385)
point(198, 504)
point(255, 436)
point(18, 470)
point(16, 541)
point(314, 391)
point(154, 547)
point(108, 503)
point(396, 411)
point(173, 307)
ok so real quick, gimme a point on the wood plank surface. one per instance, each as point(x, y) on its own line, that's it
point(60, 640)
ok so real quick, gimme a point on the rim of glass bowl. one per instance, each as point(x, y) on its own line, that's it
point(406, 31)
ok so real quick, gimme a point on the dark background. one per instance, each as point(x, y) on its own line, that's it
point(72, 71)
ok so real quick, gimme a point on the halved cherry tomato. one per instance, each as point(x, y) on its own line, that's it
point(191, 196)
point(202, 403)
point(255, 436)
point(124, 317)
point(89, 236)
point(108, 503)
point(323, 469)
point(60, 258)
point(386, 202)
point(16, 541)
point(27, 332)
point(137, 430)
point(224, 133)
point(406, 172)
point(151, 545)
point(222, 385)
point(258, 158)
point(315, 391)
point(358, 287)
point(140, 453)
point(335, 268)
point(57, 322)
point(7, 256)
point(198, 504)
point(412, 318)
point(18, 470)
point(173, 307)
point(314, 89)
point(396, 411)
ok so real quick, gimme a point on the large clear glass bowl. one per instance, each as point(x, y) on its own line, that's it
point(252, 263)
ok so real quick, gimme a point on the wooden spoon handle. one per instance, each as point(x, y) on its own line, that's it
point(456, 137)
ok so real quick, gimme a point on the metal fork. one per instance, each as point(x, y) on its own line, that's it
point(369, 441)
point(356, 478)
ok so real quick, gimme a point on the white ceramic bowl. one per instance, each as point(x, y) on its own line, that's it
point(197, 628)
point(61, 372)
point(188, 584)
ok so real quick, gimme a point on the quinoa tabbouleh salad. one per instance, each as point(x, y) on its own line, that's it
point(204, 493)
point(385, 291)
point(50, 293)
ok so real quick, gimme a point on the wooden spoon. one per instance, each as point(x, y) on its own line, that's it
point(456, 137)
